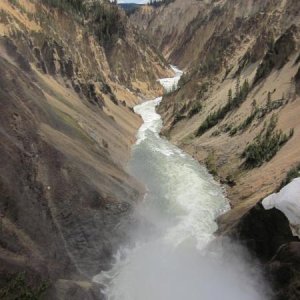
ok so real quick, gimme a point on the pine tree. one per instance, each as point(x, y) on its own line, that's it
point(237, 86)
point(254, 104)
point(269, 100)
point(230, 96)
point(244, 90)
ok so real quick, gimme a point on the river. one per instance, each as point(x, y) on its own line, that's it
point(173, 253)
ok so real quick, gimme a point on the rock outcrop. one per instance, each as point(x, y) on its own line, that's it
point(267, 234)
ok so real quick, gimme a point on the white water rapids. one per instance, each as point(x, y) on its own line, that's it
point(173, 255)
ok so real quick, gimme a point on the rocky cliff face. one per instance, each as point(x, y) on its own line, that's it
point(66, 128)
point(168, 25)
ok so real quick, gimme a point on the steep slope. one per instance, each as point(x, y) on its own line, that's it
point(183, 29)
point(166, 25)
point(68, 82)
point(251, 51)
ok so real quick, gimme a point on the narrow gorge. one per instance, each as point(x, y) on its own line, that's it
point(123, 177)
point(173, 252)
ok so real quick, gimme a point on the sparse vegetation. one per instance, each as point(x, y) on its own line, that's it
point(265, 145)
point(246, 123)
point(197, 105)
point(230, 180)
point(157, 3)
point(196, 108)
point(107, 22)
point(232, 103)
point(15, 287)
point(68, 5)
point(184, 79)
point(211, 164)
point(292, 174)
point(202, 90)
point(14, 2)
point(258, 113)
point(277, 55)
point(193, 107)
point(297, 82)
point(297, 60)
point(103, 18)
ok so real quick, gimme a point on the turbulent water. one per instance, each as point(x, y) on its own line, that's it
point(173, 253)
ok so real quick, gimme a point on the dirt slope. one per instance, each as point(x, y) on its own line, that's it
point(66, 129)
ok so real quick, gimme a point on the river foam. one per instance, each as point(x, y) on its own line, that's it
point(173, 253)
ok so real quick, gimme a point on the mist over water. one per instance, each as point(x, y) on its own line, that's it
point(173, 254)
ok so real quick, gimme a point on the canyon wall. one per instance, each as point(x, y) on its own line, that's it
point(68, 82)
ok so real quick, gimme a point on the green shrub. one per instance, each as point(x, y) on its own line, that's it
point(16, 288)
point(67, 5)
point(107, 22)
point(104, 19)
point(292, 174)
point(211, 164)
point(232, 103)
point(265, 145)
point(196, 108)
point(249, 120)
point(233, 131)
point(297, 60)
point(245, 124)
point(259, 113)
point(14, 2)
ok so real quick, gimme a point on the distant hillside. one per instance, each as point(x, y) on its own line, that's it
point(129, 7)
